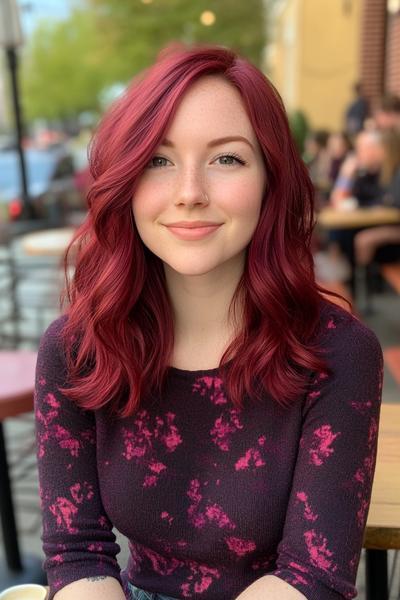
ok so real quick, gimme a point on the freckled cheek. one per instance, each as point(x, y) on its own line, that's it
point(242, 200)
point(148, 204)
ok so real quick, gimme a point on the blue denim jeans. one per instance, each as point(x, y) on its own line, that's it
point(138, 594)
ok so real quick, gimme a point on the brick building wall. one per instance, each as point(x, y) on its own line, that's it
point(379, 50)
point(392, 73)
point(373, 49)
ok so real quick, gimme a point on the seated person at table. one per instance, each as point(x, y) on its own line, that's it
point(359, 178)
point(339, 148)
point(359, 175)
point(382, 244)
point(200, 394)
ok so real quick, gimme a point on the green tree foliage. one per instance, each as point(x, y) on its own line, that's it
point(300, 127)
point(62, 73)
point(69, 64)
point(133, 32)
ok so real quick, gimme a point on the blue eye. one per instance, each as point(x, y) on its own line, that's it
point(156, 162)
point(231, 159)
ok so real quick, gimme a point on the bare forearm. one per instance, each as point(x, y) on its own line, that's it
point(92, 588)
point(270, 587)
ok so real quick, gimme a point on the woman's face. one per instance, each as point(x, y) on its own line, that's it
point(369, 151)
point(209, 169)
point(337, 146)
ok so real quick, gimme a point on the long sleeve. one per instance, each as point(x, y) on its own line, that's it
point(77, 534)
point(329, 500)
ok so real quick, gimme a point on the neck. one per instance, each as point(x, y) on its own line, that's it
point(201, 303)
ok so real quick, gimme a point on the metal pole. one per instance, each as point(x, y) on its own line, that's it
point(376, 570)
point(10, 536)
point(13, 67)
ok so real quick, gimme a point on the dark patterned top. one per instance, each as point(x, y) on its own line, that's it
point(211, 497)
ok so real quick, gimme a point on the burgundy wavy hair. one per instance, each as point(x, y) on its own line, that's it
point(119, 333)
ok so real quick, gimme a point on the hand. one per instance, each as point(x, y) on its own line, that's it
point(349, 167)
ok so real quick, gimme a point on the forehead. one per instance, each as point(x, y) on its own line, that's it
point(366, 140)
point(211, 106)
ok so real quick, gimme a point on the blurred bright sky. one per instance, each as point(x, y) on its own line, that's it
point(33, 11)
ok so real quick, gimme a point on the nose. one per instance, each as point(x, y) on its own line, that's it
point(191, 189)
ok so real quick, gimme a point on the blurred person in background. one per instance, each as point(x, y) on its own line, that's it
point(324, 170)
point(357, 111)
point(358, 180)
point(200, 394)
point(339, 147)
point(359, 174)
point(316, 156)
point(382, 244)
point(387, 115)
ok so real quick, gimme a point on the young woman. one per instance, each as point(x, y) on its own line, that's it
point(382, 244)
point(199, 394)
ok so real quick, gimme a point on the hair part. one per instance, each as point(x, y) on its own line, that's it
point(119, 334)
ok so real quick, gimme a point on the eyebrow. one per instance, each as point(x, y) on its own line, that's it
point(216, 142)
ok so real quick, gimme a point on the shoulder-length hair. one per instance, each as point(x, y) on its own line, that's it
point(118, 306)
point(391, 161)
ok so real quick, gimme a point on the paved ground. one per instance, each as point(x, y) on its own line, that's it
point(40, 308)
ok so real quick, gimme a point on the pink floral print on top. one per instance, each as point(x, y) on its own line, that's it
point(139, 443)
point(225, 426)
point(321, 446)
point(201, 512)
point(212, 388)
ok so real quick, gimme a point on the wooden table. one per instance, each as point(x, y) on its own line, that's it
point(353, 220)
point(383, 526)
point(49, 242)
point(17, 376)
point(332, 218)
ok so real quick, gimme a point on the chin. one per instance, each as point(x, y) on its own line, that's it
point(191, 270)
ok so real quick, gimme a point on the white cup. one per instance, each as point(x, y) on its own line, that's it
point(27, 591)
point(348, 204)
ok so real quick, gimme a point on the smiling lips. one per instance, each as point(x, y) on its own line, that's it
point(192, 230)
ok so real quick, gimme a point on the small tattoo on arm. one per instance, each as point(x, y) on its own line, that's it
point(96, 578)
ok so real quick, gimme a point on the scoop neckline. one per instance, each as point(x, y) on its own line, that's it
point(186, 374)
